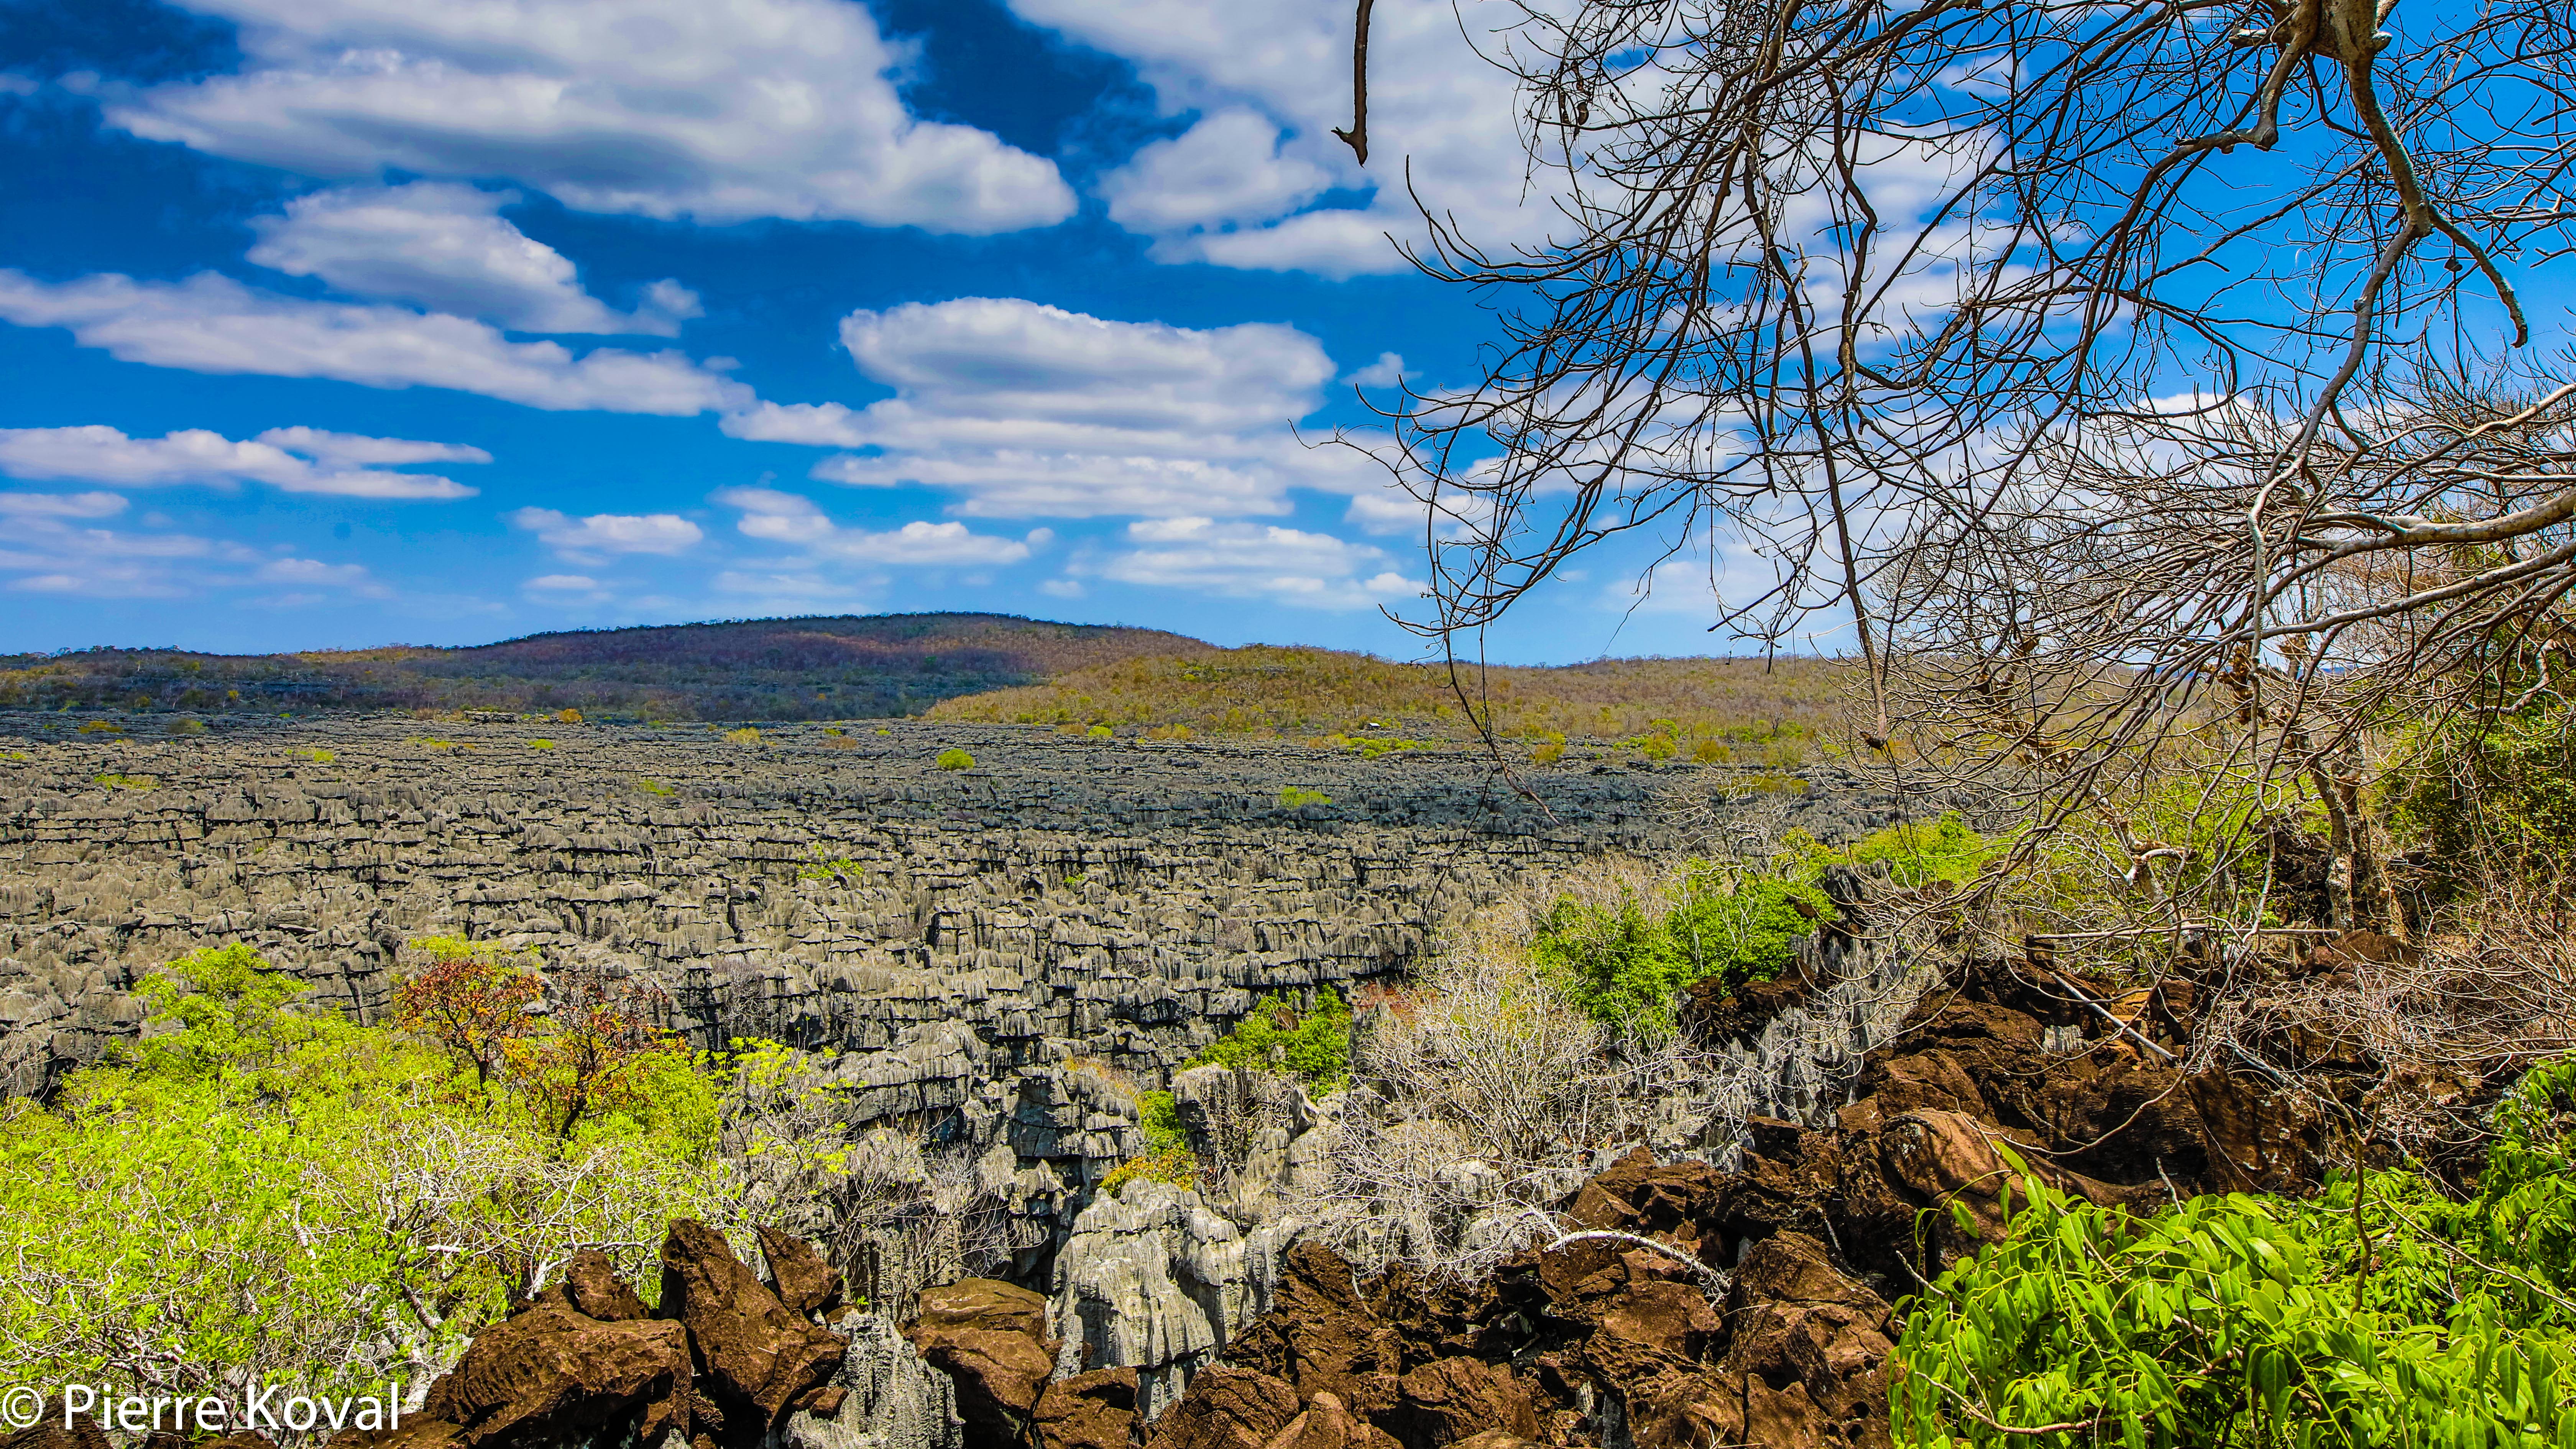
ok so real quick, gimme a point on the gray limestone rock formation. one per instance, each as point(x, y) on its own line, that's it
point(894, 1400)
point(1150, 1279)
point(997, 959)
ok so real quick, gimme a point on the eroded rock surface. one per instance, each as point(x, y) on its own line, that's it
point(722, 1363)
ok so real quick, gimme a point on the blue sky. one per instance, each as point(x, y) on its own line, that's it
point(344, 322)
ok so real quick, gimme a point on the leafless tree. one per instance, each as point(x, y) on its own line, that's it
point(2128, 376)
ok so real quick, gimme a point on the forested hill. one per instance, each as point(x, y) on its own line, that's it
point(842, 667)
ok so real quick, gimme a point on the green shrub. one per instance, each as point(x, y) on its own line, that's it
point(319, 757)
point(1297, 796)
point(1100, 732)
point(2384, 1312)
point(653, 787)
point(1627, 967)
point(1654, 746)
point(1275, 1037)
point(743, 736)
point(1161, 1119)
point(1945, 850)
point(541, 744)
point(829, 867)
point(1173, 1164)
point(297, 1198)
point(185, 727)
point(953, 758)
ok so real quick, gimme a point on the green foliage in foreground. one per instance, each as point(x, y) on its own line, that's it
point(1297, 796)
point(256, 1189)
point(955, 759)
point(1626, 966)
point(2381, 1313)
point(1275, 1037)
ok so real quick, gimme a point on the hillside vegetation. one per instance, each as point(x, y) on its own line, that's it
point(846, 667)
point(1707, 706)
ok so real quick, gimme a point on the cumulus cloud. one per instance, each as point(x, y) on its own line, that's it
point(330, 463)
point(1247, 560)
point(564, 583)
point(791, 519)
point(1225, 169)
point(1026, 410)
point(720, 110)
point(211, 323)
point(593, 538)
point(1441, 119)
point(1387, 371)
point(448, 248)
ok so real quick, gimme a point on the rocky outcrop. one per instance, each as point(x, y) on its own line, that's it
point(1153, 1282)
point(1690, 1305)
point(990, 1337)
point(723, 1363)
point(754, 1354)
point(1095, 1410)
point(890, 1398)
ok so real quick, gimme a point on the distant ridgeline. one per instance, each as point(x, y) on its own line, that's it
point(844, 667)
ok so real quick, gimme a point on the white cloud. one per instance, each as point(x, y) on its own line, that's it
point(824, 425)
point(791, 519)
point(1390, 509)
point(1441, 119)
point(343, 450)
point(98, 454)
point(448, 248)
point(721, 110)
point(315, 572)
point(1247, 560)
point(211, 323)
point(1031, 411)
point(1063, 589)
point(564, 583)
point(1387, 371)
point(1225, 169)
point(48, 555)
point(590, 540)
point(790, 589)
point(61, 505)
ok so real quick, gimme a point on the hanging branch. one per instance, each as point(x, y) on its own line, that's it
point(1357, 136)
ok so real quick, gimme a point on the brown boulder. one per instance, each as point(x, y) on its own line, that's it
point(999, 1377)
point(48, 1431)
point(983, 1303)
point(798, 1274)
point(1444, 1402)
point(1322, 1337)
point(594, 1290)
point(417, 1432)
point(750, 1348)
point(1095, 1410)
point(550, 1374)
point(1326, 1423)
point(1227, 1408)
point(1800, 1323)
